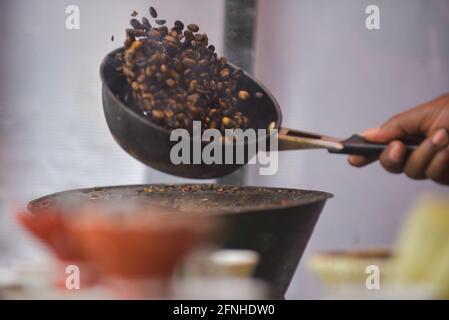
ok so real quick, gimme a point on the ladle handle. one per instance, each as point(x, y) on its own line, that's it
point(291, 139)
point(357, 145)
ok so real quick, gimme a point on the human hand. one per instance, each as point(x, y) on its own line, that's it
point(428, 123)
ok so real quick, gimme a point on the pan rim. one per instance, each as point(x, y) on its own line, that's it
point(323, 196)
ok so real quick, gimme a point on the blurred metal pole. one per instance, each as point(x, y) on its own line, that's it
point(240, 21)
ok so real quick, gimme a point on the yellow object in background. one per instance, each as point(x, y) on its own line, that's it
point(341, 268)
point(422, 252)
point(417, 267)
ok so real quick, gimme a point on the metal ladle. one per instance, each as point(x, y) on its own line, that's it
point(150, 143)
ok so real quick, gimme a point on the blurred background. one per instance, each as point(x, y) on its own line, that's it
point(329, 73)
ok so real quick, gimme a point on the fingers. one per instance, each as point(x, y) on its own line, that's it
point(430, 160)
point(438, 170)
point(421, 158)
point(394, 157)
point(360, 161)
point(412, 123)
point(389, 159)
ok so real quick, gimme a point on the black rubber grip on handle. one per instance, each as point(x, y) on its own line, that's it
point(357, 145)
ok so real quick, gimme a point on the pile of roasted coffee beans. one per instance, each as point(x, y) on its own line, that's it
point(176, 76)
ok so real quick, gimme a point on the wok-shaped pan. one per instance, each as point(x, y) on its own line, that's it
point(277, 223)
point(150, 143)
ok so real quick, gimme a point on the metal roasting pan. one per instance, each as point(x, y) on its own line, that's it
point(277, 223)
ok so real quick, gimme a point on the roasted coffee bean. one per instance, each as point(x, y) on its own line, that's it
point(112, 38)
point(213, 85)
point(194, 111)
point(128, 72)
point(153, 12)
point(193, 85)
point(203, 63)
point(223, 62)
point(189, 35)
point(244, 95)
point(135, 85)
point(189, 53)
point(154, 34)
point(173, 33)
point(148, 96)
point(228, 122)
point(187, 72)
point(164, 68)
point(193, 27)
point(146, 104)
point(224, 73)
point(171, 49)
point(155, 58)
point(136, 24)
point(214, 113)
point(193, 98)
point(226, 111)
point(171, 39)
point(237, 74)
point(141, 78)
point(160, 21)
point(163, 30)
point(170, 82)
point(181, 116)
point(179, 25)
point(176, 77)
point(200, 38)
point(141, 63)
point(158, 115)
point(146, 23)
point(188, 62)
point(213, 125)
point(143, 87)
point(169, 114)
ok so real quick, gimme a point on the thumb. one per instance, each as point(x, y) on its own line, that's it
point(411, 124)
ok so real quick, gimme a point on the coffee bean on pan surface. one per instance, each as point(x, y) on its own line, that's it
point(160, 21)
point(153, 12)
point(259, 95)
point(244, 95)
point(224, 73)
point(134, 13)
